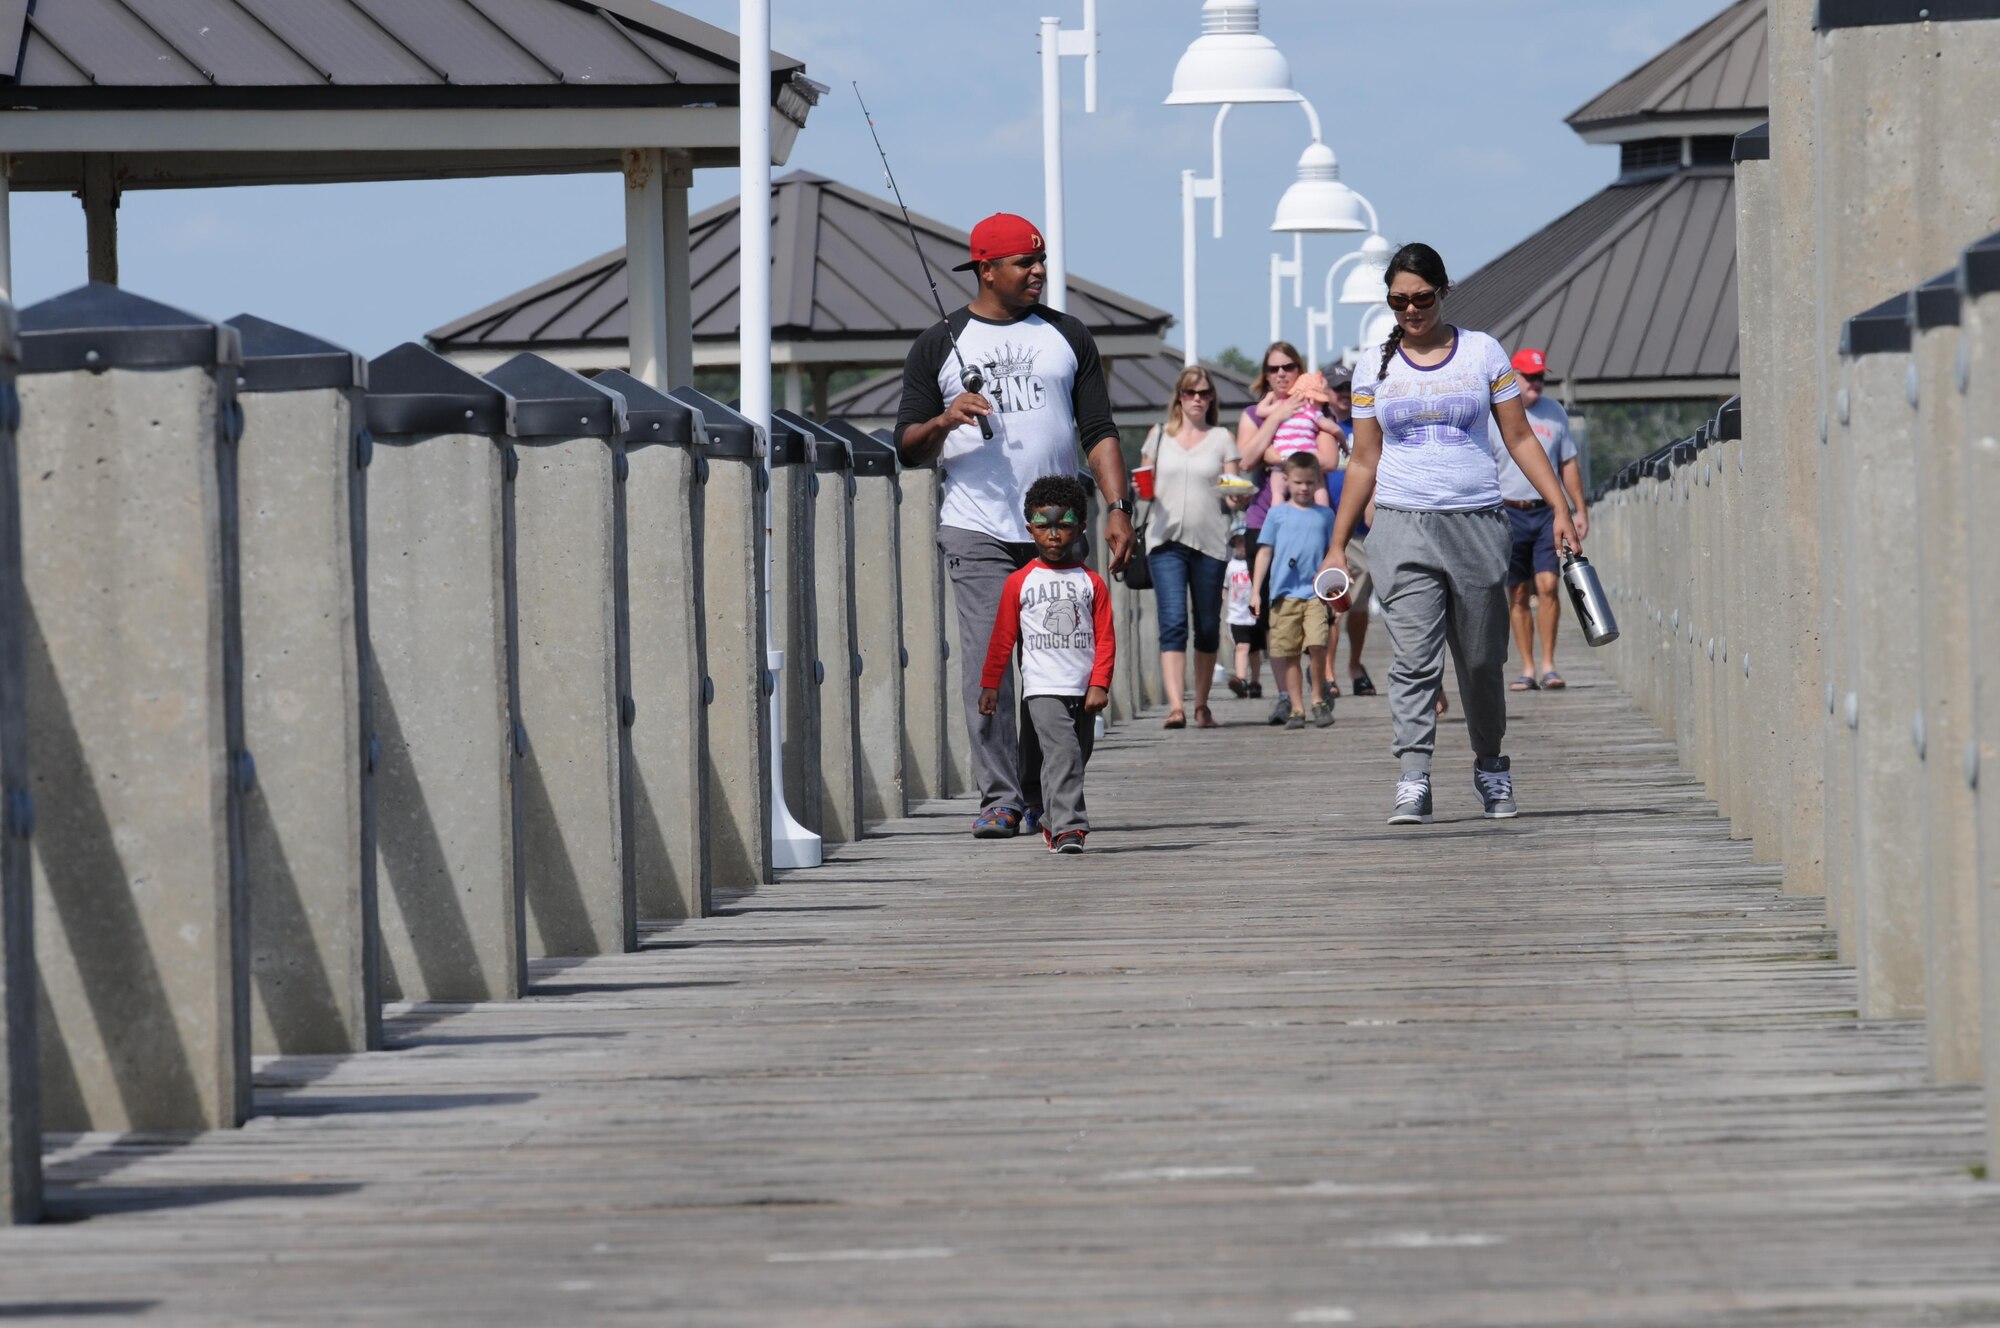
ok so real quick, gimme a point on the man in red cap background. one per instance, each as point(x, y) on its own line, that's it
point(1534, 559)
point(1042, 391)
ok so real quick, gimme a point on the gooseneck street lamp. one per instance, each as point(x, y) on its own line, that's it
point(1364, 286)
point(1057, 43)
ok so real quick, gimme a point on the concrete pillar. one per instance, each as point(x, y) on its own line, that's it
point(309, 824)
point(441, 622)
point(925, 641)
point(1978, 374)
point(100, 219)
point(837, 781)
point(1883, 627)
point(957, 737)
point(1793, 414)
point(135, 713)
point(1125, 682)
point(739, 725)
point(1943, 725)
point(667, 634)
point(645, 264)
point(680, 291)
point(795, 610)
point(20, 1070)
point(878, 624)
point(571, 607)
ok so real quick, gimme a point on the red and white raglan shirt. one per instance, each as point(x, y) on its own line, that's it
point(1061, 617)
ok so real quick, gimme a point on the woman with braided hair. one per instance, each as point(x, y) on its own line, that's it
point(1440, 542)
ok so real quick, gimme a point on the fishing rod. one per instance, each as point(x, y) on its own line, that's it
point(967, 375)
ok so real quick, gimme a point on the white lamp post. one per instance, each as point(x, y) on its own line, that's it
point(792, 845)
point(1364, 286)
point(1056, 43)
point(1230, 62)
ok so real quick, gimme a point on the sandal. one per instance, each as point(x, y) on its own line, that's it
point(1176, 719)
point(1203, 719)
point(1238, 686)
point(1553, 681)
point(1361, 684)
point(1524, 683)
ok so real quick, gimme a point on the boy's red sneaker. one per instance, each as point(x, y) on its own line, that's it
point(1069, 841)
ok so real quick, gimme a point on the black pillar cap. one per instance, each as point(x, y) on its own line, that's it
point(1833, 14)
point(101, 326)
point(651, 416)
point(1935, 303)
point(790, 444)
point(872, 455)
point(1728, 423)
point(550, 402)
point(1881, 330)
point(277, 358)
point(1753, 144)
point(1978, 268)
point(414, 391)
point(729, 434)
point(830, 452)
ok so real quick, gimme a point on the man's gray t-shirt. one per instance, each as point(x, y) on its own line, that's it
point(1551, 425)
point(1047, 387)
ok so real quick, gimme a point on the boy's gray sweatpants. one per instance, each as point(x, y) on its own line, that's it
point(1441, 578)
point(1065, 733)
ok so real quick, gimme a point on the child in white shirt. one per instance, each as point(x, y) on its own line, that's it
point(1242, 618)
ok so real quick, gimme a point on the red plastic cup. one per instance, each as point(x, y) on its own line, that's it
point(1142, 477)
point(1338, 583)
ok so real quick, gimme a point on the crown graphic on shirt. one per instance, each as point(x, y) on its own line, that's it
point(1010, 361)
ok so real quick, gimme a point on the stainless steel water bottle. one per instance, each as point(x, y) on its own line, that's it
point(1593, 606)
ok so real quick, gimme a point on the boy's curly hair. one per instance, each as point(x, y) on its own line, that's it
point(1058, 491)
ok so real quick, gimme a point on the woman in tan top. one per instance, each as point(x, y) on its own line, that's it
point(1187, 539)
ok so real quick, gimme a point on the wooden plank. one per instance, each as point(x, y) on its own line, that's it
point(1255, 1058)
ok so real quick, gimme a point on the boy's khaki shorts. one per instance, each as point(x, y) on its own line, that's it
point(1298, 624)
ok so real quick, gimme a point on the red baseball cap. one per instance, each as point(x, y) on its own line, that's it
point(1002, 235)
point(1530, 362)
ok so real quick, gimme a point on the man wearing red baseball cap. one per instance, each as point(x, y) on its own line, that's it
point(1040, 388)
point(1534, 560)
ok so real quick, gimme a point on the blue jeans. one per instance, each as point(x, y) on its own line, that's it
point(1177, 571)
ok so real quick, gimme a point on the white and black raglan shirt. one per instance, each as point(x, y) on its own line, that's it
point(1047, 387)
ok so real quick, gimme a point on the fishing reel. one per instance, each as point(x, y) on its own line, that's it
point(975, 383)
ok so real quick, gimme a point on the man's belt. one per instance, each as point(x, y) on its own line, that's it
point(1524, 507)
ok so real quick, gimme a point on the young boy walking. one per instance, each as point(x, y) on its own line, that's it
point(1059, 611)
point(1295, 539)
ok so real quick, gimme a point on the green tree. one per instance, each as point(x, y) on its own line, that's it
point(1236, 361)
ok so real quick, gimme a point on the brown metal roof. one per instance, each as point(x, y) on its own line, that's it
point(1141, 389)
point(844, 270)
point(1636, 284)
point(1721, 68)
point(330, 54)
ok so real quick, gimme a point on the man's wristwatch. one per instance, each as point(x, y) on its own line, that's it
point(1122, 505)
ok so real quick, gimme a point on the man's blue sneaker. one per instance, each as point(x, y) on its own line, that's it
point(1031, 820)
point(997, 823)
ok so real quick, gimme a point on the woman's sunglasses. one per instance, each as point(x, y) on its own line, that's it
point(1420, 300)
point(1281, 368)
point(1197, 392)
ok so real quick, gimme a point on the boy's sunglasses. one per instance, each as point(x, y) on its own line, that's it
point(1420, 300)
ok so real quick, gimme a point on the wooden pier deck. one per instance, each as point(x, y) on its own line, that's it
point(1256, 1059)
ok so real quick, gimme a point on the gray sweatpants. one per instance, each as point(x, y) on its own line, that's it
point(1441, 578)
point(979, 566)
point(1065, 733)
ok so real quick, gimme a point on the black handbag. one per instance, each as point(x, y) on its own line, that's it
point(1138, 573)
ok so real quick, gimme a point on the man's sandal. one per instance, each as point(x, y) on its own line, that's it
point(1553, 681)
point(1176, 719)
point(1524, 683)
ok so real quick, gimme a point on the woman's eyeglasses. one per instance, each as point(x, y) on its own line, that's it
point(1281, 368)
point(1197, 392)
point(1419, 300)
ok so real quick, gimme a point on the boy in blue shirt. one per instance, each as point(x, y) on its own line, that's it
point(1294, 542)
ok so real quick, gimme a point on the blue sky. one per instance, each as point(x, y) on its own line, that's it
point(1447, 114)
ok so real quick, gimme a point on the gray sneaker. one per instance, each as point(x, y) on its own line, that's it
point(1413, 801)
point(1281, 710)
point(1295, 721)
point(1494, 779)
point(1323, 715)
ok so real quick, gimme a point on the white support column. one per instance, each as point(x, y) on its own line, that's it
point(792, 844)
point(1189, 338)
point(646, 265)
point(1057, 294)
point(679, 364)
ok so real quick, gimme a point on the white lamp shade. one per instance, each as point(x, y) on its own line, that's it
point(1318, 201)
point(1366, 283)
point(1231, 61)
point(1375, 328)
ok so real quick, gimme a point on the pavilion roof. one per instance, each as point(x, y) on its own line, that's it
point(1718, 72)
